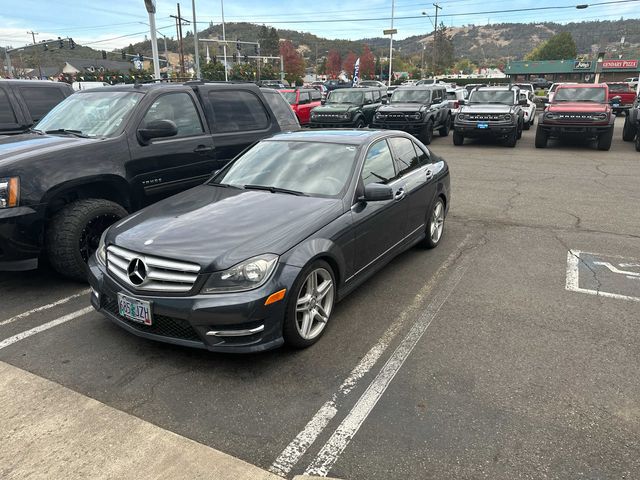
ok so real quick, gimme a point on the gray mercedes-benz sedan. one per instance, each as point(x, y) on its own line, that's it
point(259, 255)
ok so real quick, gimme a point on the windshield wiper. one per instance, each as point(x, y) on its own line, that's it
point(275, 190)
point(68, 131)
point(379, 176)
point(226, 185)
point(35, 130)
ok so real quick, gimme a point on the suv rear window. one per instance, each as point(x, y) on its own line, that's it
point(619, 87)
point(40, 100)
point(237, 111)
point(6, 111)
point(280, 107)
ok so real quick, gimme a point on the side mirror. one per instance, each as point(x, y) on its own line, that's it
point(616, 100)
point(158, 129)
point(323, 101)
point(385, 101)
point(523, 102)
point(462, 101)
point(376, 192)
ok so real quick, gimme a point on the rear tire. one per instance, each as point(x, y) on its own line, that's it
point(435, 224)
point(604, 140)
point(541, 138)
point(426, 135)
point(519, 129)
point(512, 139)
point(74, 232)
point(458, 138)
point(444, 130)
point(638, 143)
point(629, 130)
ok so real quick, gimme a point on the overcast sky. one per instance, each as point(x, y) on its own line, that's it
point(98, 23)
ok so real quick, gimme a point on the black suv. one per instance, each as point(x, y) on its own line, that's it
point(631, 129)
point(105, 152)
point(418, 110)
point(25, 102)
point(347, 107)
point(491, 112)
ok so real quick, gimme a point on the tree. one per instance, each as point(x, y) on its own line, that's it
point(465, 66)
point(367, 63)
point(349, 62)
point(271, 44)
point(293, 61)
point(212, 71)
point(444, 50)
point(559, 47)
point(334, 63)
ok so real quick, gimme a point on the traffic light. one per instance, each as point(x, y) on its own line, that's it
point(60, 43)
point(238, 46)
point(235, 57)
point(214, 59)
point(72, 44)
point(257, 49)
point(46, 47)
point(104, 55)
point(140, 57)
point(246, 59)
point(124, 55)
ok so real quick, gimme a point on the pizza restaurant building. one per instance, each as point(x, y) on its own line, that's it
point(572, 70)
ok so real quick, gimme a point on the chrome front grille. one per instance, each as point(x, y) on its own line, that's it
point(150, 273)
point(486, 116)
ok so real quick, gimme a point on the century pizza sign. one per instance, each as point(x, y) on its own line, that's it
point(620, 64)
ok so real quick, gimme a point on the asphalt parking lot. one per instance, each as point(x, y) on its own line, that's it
point(510, 351)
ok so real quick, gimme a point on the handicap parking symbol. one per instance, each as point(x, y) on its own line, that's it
point(610, 276)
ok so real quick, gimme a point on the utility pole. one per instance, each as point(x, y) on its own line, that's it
point(33, 36)
point(224, 45)
point(435, 39)
point(391, 44)
point(195, 39)
point(179, 21)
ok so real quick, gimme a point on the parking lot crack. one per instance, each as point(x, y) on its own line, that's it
point(599, 168)
point(516, 193)
point(152, 390)
point(594, 273)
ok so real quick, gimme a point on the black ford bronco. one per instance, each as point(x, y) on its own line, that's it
point(347, 107)
point(106, 152)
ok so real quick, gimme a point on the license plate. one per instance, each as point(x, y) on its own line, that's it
point(483, 125)
point(135, 310)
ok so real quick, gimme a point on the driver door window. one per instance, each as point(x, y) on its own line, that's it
point(178, 108)
point(378, 165)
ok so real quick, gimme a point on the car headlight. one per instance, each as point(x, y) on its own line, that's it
point(379, 115)
point(345, 115)
point(101, 251)
point(417, 116)
point(599, 116)
point(507, 117)
point(550, 116)
point(462, 116)
point(9, 192)
point(247, 275)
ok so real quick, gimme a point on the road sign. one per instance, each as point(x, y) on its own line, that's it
point(390, 31)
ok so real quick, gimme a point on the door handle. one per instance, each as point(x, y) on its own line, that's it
point(429, 174)
point(400, 194)
point(202, 149)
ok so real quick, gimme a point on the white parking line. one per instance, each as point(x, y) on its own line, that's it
point(41, 328)
point(334, 447)
point(44, 307)
point(298, 447)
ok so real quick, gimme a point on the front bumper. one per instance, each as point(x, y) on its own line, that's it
point(226, 322)
point(575, 129)
point(335, 123)
point(20, 238)
point(494, 129)
point(414, 127)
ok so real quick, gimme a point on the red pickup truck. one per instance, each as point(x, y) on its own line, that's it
point(580, 110)
point(625, 92)
point(302, 101)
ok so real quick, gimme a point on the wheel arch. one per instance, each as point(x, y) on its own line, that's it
point(314, 249)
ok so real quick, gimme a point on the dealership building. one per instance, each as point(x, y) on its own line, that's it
point(572, 70)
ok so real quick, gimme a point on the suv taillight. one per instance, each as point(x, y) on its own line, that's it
point(456, 105)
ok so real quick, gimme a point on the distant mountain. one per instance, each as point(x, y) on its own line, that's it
point(483, 44)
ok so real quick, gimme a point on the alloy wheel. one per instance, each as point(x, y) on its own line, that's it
point(437, 222)
point(90, 236)
point(314, 303)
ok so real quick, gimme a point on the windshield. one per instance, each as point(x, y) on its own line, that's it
point(583, 94)
point(289, 97)
point(345, 96)
point(313, 168)
point(95, 114)
point(502, 97)
point(411, 96)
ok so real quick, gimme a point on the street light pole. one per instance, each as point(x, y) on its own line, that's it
point(435, 39)
point(391, 44)
point(224, 45)
point(195, 39)
point(151, 10)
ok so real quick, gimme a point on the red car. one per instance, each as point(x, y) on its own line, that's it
point(625, 92)
point(302, 101)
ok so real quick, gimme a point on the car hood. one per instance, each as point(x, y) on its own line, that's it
point(578, 107)
point(336, 108)
point(218, 227)
point(19, 147)
point(401, 107)
point(486, 108)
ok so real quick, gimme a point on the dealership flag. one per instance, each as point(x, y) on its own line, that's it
point(356, 73)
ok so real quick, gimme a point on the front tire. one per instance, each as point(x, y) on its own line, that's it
point(458, 138)
point(74, 232)
point(310, 305)
point(604, 140)
point(359, 123)
point(512, 139)
point(435, 225)
point(629, 130)
point(542, 137)
point(637, 143)
point(426, 135)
